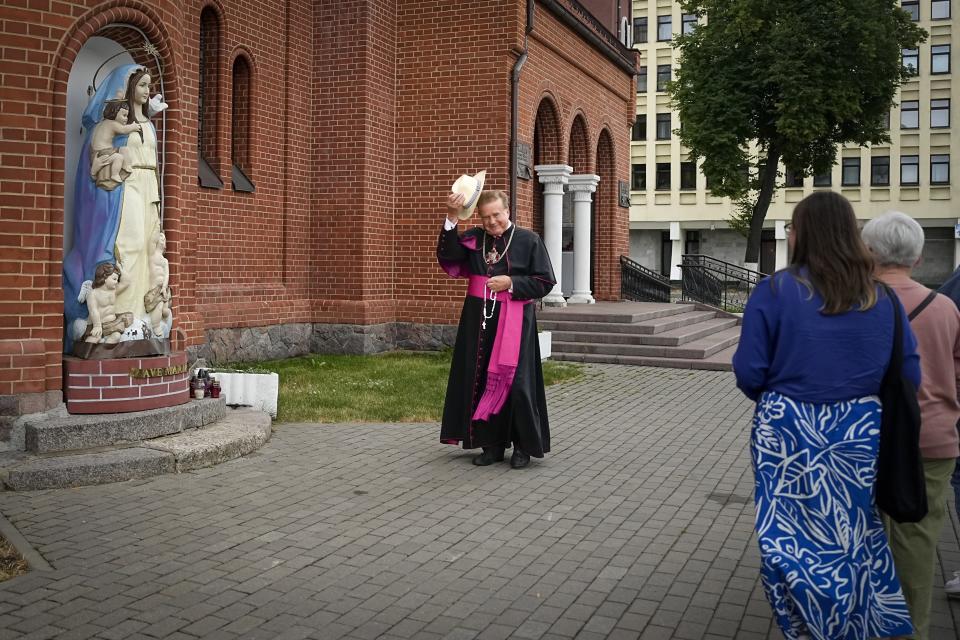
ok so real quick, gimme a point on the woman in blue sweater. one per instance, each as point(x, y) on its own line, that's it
point(815, 343)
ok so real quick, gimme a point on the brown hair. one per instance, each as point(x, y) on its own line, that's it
point(104, 271)
point(490, 196)
point(131, 93)
point(112, 107)
point(827, 246)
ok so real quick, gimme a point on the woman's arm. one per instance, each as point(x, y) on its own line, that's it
point(751, 362)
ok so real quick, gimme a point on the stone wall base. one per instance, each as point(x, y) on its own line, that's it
point(15, 406)
point(254, 344)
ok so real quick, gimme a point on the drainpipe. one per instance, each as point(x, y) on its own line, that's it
point(515, 111)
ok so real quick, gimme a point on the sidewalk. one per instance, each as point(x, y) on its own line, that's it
point(638, 525)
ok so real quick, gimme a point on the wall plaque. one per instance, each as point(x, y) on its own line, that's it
point(624, 194)
point(524, 161)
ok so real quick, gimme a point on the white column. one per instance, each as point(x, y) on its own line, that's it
point(582, 187)
point(956, 244)
point(780, 234)
point(676, 251)
point(553, 177)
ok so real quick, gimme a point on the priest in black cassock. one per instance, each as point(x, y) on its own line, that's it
point(495, 394)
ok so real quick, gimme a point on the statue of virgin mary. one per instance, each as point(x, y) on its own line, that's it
point(116, 225)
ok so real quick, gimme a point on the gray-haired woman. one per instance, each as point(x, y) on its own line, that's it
point(896, 241)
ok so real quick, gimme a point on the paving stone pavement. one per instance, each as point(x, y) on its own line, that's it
point(638, 525)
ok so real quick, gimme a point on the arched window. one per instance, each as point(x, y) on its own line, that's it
point(208, 104)
point(240, 133)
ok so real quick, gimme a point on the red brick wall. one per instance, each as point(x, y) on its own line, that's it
point(361, 115)
point(579, 83)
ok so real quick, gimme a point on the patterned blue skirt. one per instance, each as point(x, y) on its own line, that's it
point(825, 564)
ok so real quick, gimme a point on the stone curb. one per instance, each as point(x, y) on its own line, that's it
point(32, 557)
point(89, 468)
point(77, 432)
point(238, 433)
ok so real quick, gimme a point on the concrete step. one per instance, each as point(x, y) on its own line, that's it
point(672, 338)
point(697, 349)
point(77, 432)
point(645, 327)
point(720, 361)
point(238, 433)
point(614, 312)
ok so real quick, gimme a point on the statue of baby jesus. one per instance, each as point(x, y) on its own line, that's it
point(110, 165)
point(156, 301)
point(104, 323)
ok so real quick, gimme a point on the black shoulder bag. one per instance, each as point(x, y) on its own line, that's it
point(901, 488)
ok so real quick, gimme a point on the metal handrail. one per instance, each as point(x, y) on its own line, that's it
point(715, 282)
point(639, 283)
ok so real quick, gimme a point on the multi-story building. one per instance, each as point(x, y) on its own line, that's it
point(672, 212)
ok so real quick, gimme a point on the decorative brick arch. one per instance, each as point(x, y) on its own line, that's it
point(97, 22)
point(547, 149)
point(606, 222)
point(212, 112)
point(578, 151)
point(243, 74)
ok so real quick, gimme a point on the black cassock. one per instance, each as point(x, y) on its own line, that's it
point(523, 418)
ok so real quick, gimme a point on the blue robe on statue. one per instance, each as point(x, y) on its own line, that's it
point(96, 212)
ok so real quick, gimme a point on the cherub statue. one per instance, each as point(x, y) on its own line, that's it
point(156, 301)
point(104, 323)
point(110, 165)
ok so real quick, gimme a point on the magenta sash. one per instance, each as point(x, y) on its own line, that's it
point(506, 348)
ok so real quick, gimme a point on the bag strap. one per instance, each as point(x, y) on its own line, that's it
point(922, 305)
point(896, 354)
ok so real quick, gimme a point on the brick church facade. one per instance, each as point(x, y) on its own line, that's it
point(308, 149)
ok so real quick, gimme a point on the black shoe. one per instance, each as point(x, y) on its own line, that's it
point(489, 456)
point(519, 459)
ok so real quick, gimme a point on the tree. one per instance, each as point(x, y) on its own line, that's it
point(767, 81)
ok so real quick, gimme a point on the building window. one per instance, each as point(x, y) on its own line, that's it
point(940, 9)
point(688, 22)
point(911, 60)
point(638, 177)
point(823, 179)
point(910, 114)
point(940, 58)
point(207, 100)
point(240, 133)
point(663, 76)
point(850, 176)
point(642, 80)
point(688, 175)
point(913, 8)
point(664, 28)
point(940, 169)
point(909, 170)
point(640, 30)
point(940, 113)
point(880, 171)
point(663, 176)
point(885, 121)
point(692, 244)
point(639, 128)
point(792, 179)
point(663, 126)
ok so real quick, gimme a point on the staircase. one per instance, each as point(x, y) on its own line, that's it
point(685, 336)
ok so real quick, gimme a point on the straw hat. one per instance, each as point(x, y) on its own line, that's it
point(470, 187)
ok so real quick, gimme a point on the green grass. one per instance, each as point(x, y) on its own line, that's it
point(389, 387)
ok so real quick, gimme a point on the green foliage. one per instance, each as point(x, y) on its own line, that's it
point(742, 214)
point(389, 387)
point(794, 77)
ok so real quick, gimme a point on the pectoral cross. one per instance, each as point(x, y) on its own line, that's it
point(492, 256)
